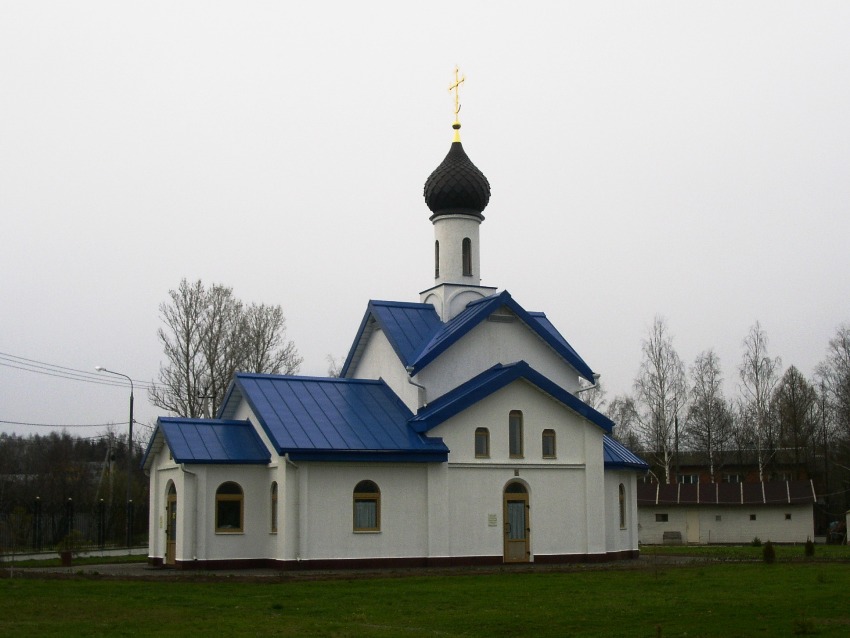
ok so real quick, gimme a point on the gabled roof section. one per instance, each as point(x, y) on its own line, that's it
point(495, 379)
point(408, 327)
point(211, 441)
point(321, 418)
point(618, 456)
point(478, 310)
point(418, 336)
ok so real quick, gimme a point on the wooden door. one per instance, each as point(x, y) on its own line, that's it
point(171, 526)
point(517, 524)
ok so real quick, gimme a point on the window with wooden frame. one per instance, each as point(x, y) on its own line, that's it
point(274, 507)
point(367, 507)
point(622, 506)
point(229, 508)
point(466, 249)
point(549, 444)
point(515, 434)
point(482, 443)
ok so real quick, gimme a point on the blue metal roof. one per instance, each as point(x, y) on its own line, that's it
point(213, 441)
point(408, 326)
point(418, 336)
point(321, 418)
point(618, 456)
point(489, 382)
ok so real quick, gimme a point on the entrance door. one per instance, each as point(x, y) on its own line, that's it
point(692, 524)
point(171, 525)
point(517, 524)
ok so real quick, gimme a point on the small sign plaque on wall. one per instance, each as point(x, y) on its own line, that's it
point(491, 520)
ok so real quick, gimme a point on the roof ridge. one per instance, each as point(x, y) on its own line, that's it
point(303, 378)
point(390, 302)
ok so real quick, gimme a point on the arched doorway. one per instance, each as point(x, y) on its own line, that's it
point(517, 523)
point(170, 524)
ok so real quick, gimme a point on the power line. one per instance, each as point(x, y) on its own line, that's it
point(72, 374)
point(62, 425)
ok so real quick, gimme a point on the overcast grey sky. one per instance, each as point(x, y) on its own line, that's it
point(687, 159)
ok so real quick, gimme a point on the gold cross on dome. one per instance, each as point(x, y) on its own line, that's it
point(456, 88)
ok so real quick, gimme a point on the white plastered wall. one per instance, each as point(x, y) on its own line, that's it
point(564, 493)
point(734, 526)
point(486, 345)
point(450, 231)
point(325, 510)
point(380, 361)
point(621, 538)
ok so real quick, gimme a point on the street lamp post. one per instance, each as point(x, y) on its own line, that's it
point(129, 456)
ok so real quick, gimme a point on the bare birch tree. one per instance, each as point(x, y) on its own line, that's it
point(207, 336)
point(709, 413)
point(661, 393)
point(759, 375)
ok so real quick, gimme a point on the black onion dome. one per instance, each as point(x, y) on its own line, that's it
point(457, 186)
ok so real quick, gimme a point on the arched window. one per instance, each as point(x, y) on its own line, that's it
point(548, 444)
point(274, 507)
point(515, 434)
point(229, 514)
point(622, 506)
point(467, 257)
point(367, 507)
point(482, 443)
point(436, 259)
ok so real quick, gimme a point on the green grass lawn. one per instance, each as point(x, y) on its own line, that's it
point(747, 552)
point(713, 599)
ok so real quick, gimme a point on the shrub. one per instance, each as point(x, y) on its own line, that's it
point(810, 548)
point(756, 541)
point(768, 553)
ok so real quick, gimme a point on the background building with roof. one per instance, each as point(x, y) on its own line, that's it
point(455, 435)
point(733, 513)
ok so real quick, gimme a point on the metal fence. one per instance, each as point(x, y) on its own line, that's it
point(43, 527)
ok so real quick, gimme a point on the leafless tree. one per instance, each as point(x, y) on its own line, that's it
point(334, 365)
point(834, 372)
point(208, 335)
point(622, 411)
point(794, 401)
point(759, 375)
point(593, 395)
point(709, 413)
point(661, 393)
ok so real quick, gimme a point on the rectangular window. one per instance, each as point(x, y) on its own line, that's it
point(752, 517)
point(274, 507)
point(548, 444)
point(482, 443)
point(515, 434)
point(228, 516)
point(732, 478)
point(661, 518)
point(787, 517)
point(718, 518)
point(365, 514)
point(689, 479)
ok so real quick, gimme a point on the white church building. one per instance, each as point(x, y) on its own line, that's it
point(455, 435)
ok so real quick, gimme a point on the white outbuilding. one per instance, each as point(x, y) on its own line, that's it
point(455, 435)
